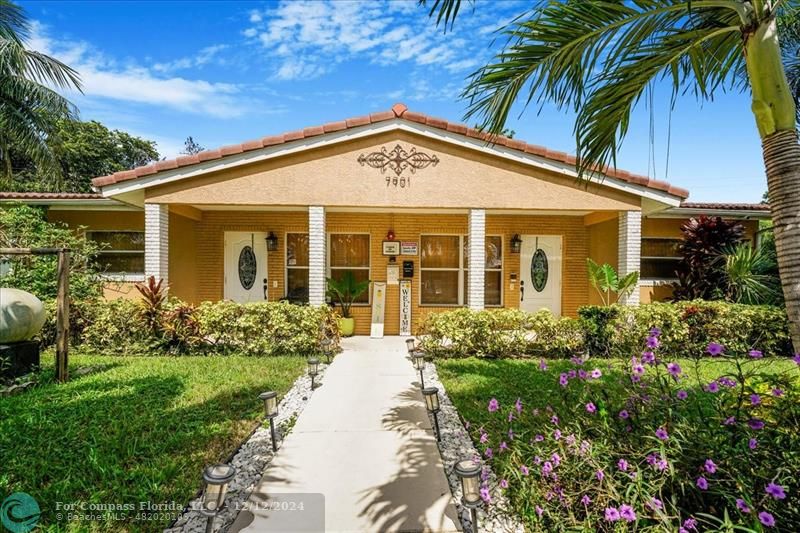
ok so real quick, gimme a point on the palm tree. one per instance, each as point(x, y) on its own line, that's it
point(598, 57)
point(29, 107)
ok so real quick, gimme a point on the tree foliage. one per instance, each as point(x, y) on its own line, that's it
point(29, 105)
point(191, 147)
point(83, 150)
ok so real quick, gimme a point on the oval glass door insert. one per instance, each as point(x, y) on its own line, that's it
point(539, 270)
point(247, 267)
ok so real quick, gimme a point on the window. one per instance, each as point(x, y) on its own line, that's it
point(443, 270)
point(297, 267)
point(122, 251)
point(660, 258)
point(349, 251)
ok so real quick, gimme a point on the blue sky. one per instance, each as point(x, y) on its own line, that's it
point(224, 72)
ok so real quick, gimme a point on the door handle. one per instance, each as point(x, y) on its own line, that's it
point(266, 289)
point(521, 290)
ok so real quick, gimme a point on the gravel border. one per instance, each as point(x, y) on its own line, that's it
point(250, 460)
point(455, 444)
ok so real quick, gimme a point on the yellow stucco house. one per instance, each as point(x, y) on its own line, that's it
point(397, 197)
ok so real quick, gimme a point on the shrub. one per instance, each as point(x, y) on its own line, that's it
point(596, 322)
point(498, 333)
point(27, 227)
point(650, 446)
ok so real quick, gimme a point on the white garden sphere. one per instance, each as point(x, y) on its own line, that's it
point(21, 315)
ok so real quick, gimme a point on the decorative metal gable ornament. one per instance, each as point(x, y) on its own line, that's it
point(247, 267)
point(398, 160)
point(539, 268)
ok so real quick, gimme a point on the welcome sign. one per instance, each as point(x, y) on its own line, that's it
point(405, 307)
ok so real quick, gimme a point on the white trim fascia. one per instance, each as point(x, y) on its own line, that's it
point(683, 212)
point(96, 204)
point(279, 150)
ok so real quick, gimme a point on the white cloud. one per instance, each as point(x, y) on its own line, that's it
point(203, 57)
point(103, 77)
point(307, 38)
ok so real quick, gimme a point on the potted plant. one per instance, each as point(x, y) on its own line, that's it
point(345, 291)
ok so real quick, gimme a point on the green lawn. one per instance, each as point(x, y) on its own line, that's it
point(141, 429)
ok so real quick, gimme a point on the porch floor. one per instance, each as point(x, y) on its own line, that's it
point(365, 443)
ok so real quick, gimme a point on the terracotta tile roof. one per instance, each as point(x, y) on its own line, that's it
point(50, 196)
point(725, 206)
point(398, 111)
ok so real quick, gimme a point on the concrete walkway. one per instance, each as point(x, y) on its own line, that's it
point(365, 443)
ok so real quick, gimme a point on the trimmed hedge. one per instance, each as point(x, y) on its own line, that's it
point(499, 333)
point(117, 327)
point(614, 331)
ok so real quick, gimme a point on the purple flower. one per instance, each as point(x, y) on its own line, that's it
point(715, 349)
point(585, 499)
point(488, 453)
point(752, 443)
point(682, 394)
point(518, 405)
point(651, 459)
point(503, 483)
point(690, 523)
point(731, 420)
point(494, 405)
point(542, 364)
point(653, 342)
point(572, 374)
point(624, 414)
point(728, 382)
point(556, 434)
point(648, 357)
point(484, 438)
point(600, 475)
point(661, 464)
point(776, 491)
point(766, 519)
point(510, 416)
point(622, 464)
point(554, 420)
point(583, 374)
point(796, 358)
point(755, 399)
point(755, 423)
point(539, 511)
point(712, 387)
point(590, 408)
point(485, 496)
point(596, 373)
point(674, 369)
point(524, 470)
point(661, 433)
point(655, 332)
point(556, 459)
point(702, 483)
point(755, 354)
point(638, 369)
point(627, 513)
point(612, 514)
point(656, 504)
point(547, 467)
point(710, 466)
point(510, 434)
point(503, 446)
point(777, 392)
point(742, 505)
point(563, 380)
point(538, 438)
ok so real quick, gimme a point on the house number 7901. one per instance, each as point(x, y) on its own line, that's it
point(400, 181)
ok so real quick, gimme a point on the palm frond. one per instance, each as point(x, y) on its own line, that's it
point(13, 23)
point(446, 11)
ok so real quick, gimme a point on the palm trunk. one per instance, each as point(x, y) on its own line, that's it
point(774, 110)
point(782, 159)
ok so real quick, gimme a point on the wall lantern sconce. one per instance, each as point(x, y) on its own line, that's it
point(272, 242)
point(216, 479)
point(270, 400)
point(419, 364)
point(313, 370)
point(431, 395)
point(469, 471)
point(516, 244)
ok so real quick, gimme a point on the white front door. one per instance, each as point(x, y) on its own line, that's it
point(540, 279)
point(245, 266)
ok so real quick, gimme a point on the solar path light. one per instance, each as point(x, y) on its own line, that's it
point(469, 473)
point(431, 395)
point(216, 479)
point(270, 400)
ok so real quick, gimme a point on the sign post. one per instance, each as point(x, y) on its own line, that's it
point(405, 307)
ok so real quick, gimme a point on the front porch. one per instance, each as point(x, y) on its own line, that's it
point(195, 248)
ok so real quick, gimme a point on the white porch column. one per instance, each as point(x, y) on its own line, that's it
point(316, 255)
point(630, 249)
point(477, 258)
point(156, 241)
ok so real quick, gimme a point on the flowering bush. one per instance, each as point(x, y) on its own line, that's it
point(652, 444)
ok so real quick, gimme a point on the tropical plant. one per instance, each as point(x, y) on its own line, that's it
point(27, 227)
point(746, 275)
point(154, 295)
point(607, 282)
point(29, 107)
point(598, 57)
point(700, 272)
point(346, 290)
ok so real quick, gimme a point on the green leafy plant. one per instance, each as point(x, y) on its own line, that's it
point(154, 294)
point(346, 290)
point(606, 281)
point(747, 276)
